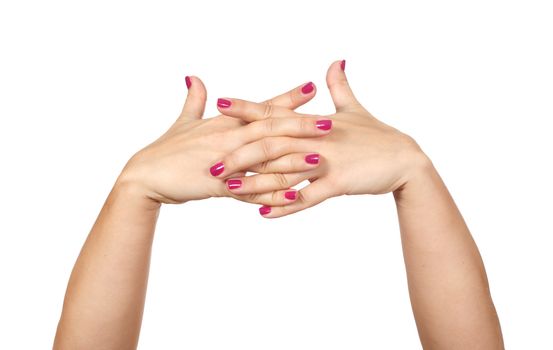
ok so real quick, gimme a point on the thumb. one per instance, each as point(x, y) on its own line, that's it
point(339, 87)
point(195, 100)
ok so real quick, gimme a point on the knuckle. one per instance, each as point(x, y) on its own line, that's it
point(281, 180)
point(274, 197)
point(294, 97)
point(252, 197)
point(252, 183)
point(302, 197)
point(269, 126)
point(264, 167)
point(232, 161)
point(339, 83)
point(306, 125)
point(268, 148)
point(268, 112)
point(295, 163)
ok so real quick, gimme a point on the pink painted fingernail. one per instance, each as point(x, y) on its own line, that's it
point(233, 184)
point(223, 103)
point(264, 210)
point(291, 195)
point(308, 88)
point(312, 158)
point(217, 169)
point(324, 124)
point(188, 82)
point(343, 65)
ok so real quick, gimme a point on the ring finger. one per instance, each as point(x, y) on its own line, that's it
point(263, 183)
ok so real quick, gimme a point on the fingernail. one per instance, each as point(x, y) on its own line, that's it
point(233, 184)
point(217, 169)
point(188, 82)
point(308, 88)
point(343, 65)
point(291, 195)
point(264, 210)
point(324, 124)
point(312, 158)
point(223, 103)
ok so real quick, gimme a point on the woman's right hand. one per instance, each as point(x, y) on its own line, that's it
point(362, 155)
point(186, 163)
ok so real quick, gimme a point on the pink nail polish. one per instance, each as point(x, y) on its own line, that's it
point(307, 88)
point(291, 195)
point(233, 184)
point(264, 210)
point(312, 158)
point(217, 169)
point(223, 103)
point(188, 82)
point(343, 65)
point(324, 124)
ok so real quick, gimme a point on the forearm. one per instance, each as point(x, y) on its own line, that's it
point(105, 297)
point(447, 280)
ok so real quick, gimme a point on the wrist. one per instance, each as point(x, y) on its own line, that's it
point(421, 175)
point(133, 192)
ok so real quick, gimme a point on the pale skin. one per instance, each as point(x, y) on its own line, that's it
point(357, 154)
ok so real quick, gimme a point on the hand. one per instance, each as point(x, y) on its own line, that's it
point(176, 167)
point(362, 155)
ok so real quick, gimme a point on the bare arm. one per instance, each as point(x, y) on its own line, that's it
point(447, 282)
point(448, 286)
point(105, 296)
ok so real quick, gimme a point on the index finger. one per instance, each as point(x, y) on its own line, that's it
point(294, 98)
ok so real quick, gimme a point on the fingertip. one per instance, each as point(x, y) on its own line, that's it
point(303, 94)
point(264, 210)
point(313, 159)
point(275, 212)
point(234, 184)
point(195, 85)
point(194, 105)
point(336, 71)
point(217, 169)
point(308, 88)
point(296, 97)
point(291, 195)
point(188, 82)
point(223, 103)
point(324, 125)
point(338, 84)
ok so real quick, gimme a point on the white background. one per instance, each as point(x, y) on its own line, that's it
point(85, 85)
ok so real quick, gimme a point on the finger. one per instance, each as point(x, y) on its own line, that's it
point(252, 111)
point(195, 100)
point(311, 195)
point(275, 198)
point(238, 174)
point(294, 98)
point(263, 183)
point(337, 82)
point(294, 127)
point(290, 163)
point(258, 152)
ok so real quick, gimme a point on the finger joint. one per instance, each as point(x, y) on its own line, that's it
point(281, 180)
